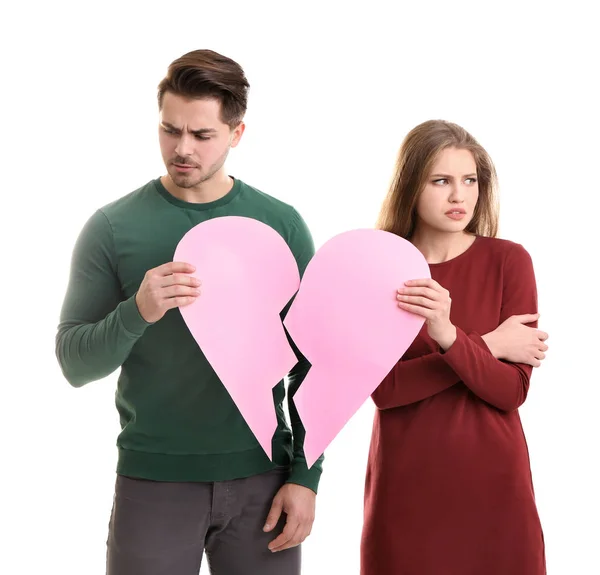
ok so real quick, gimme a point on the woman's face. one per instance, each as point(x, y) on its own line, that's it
point(448, 200)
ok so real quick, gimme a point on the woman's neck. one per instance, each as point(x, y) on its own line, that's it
point(438, 247)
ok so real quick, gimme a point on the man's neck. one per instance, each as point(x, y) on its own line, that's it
point(209, 191)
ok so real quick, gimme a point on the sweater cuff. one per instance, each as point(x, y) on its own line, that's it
point(132, 320)
point(301, 475)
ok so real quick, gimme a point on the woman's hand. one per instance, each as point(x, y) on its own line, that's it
point(514, 341)
point(427, 298)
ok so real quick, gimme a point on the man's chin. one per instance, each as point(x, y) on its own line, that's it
point(184, 180)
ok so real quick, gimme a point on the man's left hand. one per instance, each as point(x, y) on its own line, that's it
point(298, 503)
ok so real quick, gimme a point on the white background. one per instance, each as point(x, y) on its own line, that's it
point(334, 88)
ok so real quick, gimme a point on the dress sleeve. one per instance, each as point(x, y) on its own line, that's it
point(415, 379)
point(501, 384)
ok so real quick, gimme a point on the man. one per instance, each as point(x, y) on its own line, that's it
point(191, 477)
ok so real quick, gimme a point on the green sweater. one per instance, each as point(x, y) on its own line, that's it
point(178, 421)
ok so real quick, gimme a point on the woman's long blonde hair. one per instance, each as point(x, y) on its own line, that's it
point(416, 157)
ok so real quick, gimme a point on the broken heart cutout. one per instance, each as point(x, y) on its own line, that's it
point(346, 322)
point(344, 319)
point(248, 275)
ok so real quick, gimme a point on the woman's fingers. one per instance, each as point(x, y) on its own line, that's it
point(418, 301)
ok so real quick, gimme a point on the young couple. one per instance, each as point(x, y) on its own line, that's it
point(448, 486)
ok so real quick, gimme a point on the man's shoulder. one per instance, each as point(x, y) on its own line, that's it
point(267, 201)
point(129, 203)
point(272, 211)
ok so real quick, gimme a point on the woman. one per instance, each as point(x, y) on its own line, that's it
point(448, 486)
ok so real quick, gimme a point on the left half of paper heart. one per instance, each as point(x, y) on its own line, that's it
point(248, 275)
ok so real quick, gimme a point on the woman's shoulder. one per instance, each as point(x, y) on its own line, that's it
point(502, 250)
point(500, 246)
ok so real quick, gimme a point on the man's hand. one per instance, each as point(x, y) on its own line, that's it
point(166, 287)
point(514, 341)
point(298, 503)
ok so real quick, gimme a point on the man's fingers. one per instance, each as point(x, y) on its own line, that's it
point(175, 267)
point(179, 301)
point(299, 537)
point(179, 279)
point(294, 542)
point(542, 335)
point(304, 533)
point(180, 291)
point(287, 536)
point(274, 515)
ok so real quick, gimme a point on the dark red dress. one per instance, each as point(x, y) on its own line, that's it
point(448, 486)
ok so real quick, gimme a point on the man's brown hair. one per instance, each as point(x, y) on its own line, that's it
point(206, 74)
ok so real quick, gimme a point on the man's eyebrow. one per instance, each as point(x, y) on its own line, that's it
point(200, 132)
point(203, 131)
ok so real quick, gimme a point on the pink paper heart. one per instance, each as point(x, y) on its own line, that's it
point(248, 275)
point(346, 322)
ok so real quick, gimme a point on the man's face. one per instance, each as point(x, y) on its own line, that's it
point(194, 142)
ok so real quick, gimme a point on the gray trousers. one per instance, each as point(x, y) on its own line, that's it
point(163, 528)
